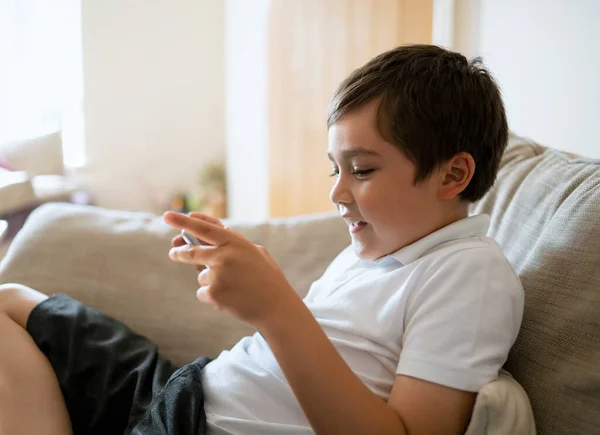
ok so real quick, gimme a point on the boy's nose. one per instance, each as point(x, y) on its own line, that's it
point(340, 194)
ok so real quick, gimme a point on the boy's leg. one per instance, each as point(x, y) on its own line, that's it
point(30, 397)
point(108, 375)
point(109, 379)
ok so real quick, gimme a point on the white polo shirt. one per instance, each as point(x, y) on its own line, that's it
point(445, 309)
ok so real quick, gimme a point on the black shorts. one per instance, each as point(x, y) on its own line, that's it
point(113, 380)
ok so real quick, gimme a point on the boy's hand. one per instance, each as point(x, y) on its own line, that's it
point(178, 241)
point(241, 278)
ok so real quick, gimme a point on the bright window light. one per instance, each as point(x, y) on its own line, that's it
point(41, 79)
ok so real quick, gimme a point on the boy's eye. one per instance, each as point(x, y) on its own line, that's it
point(358, 173)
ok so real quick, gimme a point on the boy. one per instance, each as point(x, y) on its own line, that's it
point(396, 337)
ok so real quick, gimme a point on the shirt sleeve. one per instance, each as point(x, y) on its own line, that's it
point(462, 320)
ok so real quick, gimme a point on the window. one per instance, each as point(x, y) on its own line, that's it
point(41, 80)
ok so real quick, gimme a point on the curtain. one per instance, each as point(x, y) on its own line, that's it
point(41, 85)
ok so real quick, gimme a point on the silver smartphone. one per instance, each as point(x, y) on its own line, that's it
point(191, 240)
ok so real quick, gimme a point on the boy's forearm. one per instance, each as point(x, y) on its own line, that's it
point(331, 395)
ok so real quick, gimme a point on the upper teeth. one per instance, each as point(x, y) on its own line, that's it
point(356, 223)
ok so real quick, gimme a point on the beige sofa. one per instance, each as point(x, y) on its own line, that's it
point(545, 210)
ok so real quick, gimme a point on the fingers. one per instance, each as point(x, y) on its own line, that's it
point(202, 295)
point(210, 219)
point(210, 233)
point(204, 277)
point(177, 241)
point(196, 255)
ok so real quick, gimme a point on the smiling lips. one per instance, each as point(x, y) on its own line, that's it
point(355, 226)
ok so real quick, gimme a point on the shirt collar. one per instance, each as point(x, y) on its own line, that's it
point(471, 226)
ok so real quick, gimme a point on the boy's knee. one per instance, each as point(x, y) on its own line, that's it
point(17, 301)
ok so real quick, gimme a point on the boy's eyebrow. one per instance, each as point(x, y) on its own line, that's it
point(353, 152)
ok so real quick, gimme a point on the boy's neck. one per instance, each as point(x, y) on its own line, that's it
point(454, 214)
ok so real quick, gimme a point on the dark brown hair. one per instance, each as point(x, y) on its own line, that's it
point(433, 104)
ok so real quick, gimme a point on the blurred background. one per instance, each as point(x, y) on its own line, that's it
point(220, 105)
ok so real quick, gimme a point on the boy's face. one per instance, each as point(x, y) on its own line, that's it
point(374, 190)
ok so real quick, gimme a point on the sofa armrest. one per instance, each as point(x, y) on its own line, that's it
point(37, 155)
point(118, 262)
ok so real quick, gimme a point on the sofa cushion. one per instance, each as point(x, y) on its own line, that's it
point(16, 191)
point(545, 212)
point(502, 408)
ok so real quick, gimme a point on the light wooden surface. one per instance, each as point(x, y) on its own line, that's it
point(313, 46)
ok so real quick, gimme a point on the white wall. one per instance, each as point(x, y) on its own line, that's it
point(246, 63)
point(153, 97)
point(546, 57)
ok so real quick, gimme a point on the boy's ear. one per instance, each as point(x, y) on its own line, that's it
point(456, 175)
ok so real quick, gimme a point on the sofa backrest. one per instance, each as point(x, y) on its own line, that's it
point(545, 212)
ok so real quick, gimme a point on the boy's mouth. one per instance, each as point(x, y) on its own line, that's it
point(356, 226)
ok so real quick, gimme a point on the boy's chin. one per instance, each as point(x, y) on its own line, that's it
point(369, 251)
point(364, 251)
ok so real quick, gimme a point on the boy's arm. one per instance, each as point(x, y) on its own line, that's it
point(336, 401)
point(244, 281)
